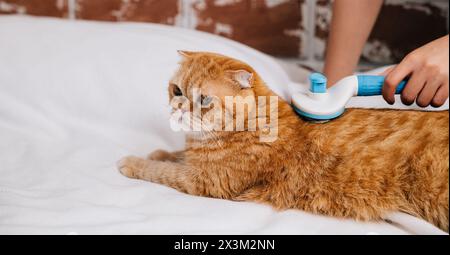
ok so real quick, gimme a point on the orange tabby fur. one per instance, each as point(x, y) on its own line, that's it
point(363, 165)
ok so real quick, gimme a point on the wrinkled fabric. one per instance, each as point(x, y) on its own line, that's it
point(75, 97)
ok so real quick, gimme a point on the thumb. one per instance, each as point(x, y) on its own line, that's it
point(397, 74)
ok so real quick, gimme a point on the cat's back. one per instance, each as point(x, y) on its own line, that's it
point(405, 146)
point(394, 129)
point(398, 160)
point(408, 149)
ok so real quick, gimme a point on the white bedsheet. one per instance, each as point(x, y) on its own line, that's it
point(77, 96)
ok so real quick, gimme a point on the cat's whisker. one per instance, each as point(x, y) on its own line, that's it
point(215, 138)
point(213, 135)
point(207, 133)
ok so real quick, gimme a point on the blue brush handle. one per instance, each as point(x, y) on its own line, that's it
point(372, 85)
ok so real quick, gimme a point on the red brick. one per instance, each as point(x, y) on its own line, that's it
point(54, 8)
point(156, 11)
point(272, 28)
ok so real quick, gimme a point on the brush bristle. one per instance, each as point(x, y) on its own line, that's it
point(314, 120)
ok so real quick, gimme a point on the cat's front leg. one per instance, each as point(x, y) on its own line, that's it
point(172, 174)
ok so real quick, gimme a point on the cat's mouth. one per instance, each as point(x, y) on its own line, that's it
point(188, 122)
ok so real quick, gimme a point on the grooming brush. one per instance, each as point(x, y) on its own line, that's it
point(320, 104)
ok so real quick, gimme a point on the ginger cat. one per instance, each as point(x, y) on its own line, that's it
point(363, 165)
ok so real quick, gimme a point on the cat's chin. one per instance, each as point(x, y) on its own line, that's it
point(199, 135)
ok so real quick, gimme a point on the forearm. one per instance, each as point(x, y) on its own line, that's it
point(351, 25)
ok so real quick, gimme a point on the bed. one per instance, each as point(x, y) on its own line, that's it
point(77, 96)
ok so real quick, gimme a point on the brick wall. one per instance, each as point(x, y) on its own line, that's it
point(285, 28)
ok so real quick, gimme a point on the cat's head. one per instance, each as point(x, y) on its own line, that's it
point(211, 92)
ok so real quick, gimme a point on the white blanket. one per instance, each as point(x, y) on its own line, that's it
point(77, 96)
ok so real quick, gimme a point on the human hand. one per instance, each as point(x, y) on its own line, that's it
point(428, 69)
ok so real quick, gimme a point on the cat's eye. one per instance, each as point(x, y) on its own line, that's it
point(206, 100)
point(176, 90)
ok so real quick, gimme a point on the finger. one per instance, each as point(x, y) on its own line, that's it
point(426, 95)
point(413, 87)
point(394, 78)
point(441, 96)
point(387, 71)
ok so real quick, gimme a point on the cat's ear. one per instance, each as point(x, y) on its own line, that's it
point(185, 54)
point(243, 77)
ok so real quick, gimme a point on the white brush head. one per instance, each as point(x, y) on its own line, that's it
point(326, 105)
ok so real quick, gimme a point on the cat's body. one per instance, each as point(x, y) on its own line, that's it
point(364, 165)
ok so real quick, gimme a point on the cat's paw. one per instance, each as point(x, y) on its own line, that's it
point(128, 166)
point(160, 155)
